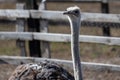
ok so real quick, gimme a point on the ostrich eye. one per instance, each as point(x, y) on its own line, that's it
point(76, 11)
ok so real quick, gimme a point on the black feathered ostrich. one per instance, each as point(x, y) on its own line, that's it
point(50, 70)
point(45, 70)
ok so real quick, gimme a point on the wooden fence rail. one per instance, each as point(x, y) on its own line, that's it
point(65, 63)
point(58, 37)
point(58, 15)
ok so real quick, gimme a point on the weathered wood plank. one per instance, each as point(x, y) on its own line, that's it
point(58, 15)
point(8, 1)
point(33, 26)
point(98, 17)
point(14, 13)
point(20, 27)
point(45, 46)
point(15, 60)
point(49, 15)
point(82, 38)
point(16, 35)
point(58, 37)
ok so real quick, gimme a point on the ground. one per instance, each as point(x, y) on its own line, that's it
point(89, 52)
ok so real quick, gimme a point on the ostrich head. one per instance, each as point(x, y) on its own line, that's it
point(73, 11)
point(73, 14)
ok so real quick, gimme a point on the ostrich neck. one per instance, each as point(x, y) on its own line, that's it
point(75, 24)
point(75, 28)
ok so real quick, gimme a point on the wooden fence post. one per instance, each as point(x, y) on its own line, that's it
point(45, 47)
point(105, 9)
point(20, 27)
point(33, 26)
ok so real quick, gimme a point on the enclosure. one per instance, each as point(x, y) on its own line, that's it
point(99, 37)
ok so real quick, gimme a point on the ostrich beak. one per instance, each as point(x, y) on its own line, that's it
point(67, 12)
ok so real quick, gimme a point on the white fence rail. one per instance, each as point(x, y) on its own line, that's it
point(58, 37)
point(66, 63)
point(58, 15)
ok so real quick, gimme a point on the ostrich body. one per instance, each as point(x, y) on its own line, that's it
point(74, 19)
point(44, 70)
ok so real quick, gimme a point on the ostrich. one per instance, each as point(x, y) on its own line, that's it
point(74, 17)
point(50, 70)
point(45, 70)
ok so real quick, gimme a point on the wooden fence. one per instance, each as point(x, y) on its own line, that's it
point(104, 8)
point(39, 16)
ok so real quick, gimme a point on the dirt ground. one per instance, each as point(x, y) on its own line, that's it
point(5, 71)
